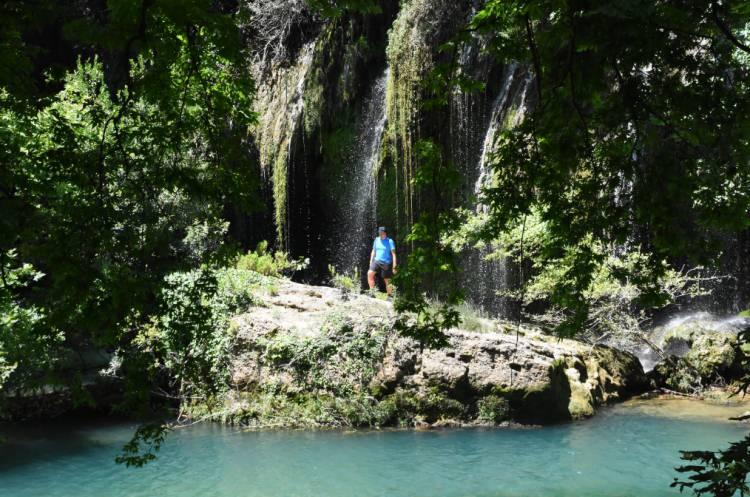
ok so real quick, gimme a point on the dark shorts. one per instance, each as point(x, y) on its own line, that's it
point(384, 269)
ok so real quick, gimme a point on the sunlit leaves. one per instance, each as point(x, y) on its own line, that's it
point(121, 176)
point(23, 338)
point(144, 445)
point(427, 290)
point(717, 474)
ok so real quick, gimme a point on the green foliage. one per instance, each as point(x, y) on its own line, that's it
point(429, 406)
point(742, 356)
point(473, 319)
point(493, 409)
point(272, 409)
point(337, 146)
point(431, 268)
point(341, 361)
point(346, 282)
point(114, 177)
point(144, 445)
point(332, 375)
point(721, 473)
point(623, 133)
point(718, 474)
point(23, 339)
point(276, 264)
point(679, 375)
point(410, 60)
point(185, 347)
point(615, 301)
point(190, 338)
point(119, 175)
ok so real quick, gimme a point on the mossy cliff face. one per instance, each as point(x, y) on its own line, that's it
point(311, 115)
point(305, 105)
point(421, 27)
point(312, 356)
point(280, 105)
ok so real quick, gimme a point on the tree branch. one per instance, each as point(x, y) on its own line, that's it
point(725, 29)
point(535, 56)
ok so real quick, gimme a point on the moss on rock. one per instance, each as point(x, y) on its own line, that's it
point(675, 373)
point(697, 357)
point(493, 409)
point(713, 354)
point(311, 357)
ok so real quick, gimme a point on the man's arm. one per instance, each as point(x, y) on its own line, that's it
point(372, 254)
point(395, 262)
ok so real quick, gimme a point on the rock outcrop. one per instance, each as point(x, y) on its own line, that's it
point(318, 356)
point(701, 350)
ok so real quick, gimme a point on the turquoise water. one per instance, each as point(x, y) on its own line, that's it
point(625, 451)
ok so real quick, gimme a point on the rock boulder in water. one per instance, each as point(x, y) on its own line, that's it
point(314, 356)
point(701, 350)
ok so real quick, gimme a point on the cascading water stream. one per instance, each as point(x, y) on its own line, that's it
point(358, 185)
point(681, 326)
point(499, 121)
point(485, 277)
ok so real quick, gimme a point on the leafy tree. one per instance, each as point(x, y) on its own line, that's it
point(121, 176)
point(638, 134)
point(721, 473)
point(427, 288)
point(640, 113)
point(114, 180)
point(20, 341)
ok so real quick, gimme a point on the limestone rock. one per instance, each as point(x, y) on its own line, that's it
point(701, 350)
point(338, 355)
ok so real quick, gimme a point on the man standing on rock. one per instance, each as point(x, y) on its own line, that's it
point(382, 260)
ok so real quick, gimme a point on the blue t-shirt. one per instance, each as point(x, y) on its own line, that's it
point(383, 249)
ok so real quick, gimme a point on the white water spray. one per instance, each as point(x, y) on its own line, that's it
point(358, 183)
point(486, 277)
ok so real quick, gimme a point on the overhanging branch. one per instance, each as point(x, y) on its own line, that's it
point(726, 30)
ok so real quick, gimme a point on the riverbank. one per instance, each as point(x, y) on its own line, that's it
point(309, 357)
point(302, 356)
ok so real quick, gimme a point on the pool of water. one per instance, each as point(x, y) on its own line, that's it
point(628, 450)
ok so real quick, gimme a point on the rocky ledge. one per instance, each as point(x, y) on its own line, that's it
point(317, 356)
point(700, 351)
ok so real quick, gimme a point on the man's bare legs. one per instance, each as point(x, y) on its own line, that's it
point(371, 282)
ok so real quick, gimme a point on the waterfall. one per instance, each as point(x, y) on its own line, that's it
point(483, 277)
point(682, 325)
point(358, 185)
point(500, 109)
point(470, 111)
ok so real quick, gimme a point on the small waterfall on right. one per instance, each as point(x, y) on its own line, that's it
point(357, 218)
point(485, 277)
